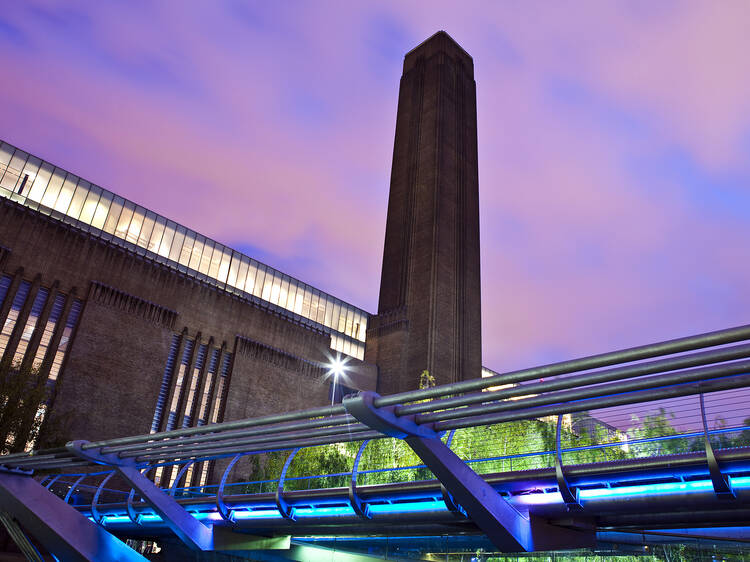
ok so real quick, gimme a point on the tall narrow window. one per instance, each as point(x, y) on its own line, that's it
point(15, 308)
point(28, 330)
point(218, 402)
point(165, 382)
point(187, 352)
point(49, 330)
point(62, 349)
point(213, 364)
point(194, 380)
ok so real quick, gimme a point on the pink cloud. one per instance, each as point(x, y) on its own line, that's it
point(199, 113)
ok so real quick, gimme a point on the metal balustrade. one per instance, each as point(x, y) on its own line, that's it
point(466, 457)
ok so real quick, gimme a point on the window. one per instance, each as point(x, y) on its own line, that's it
point(62, 348)
point(186, 354)
point(66, 197)
point(30, 326)
point(15, 309)
point(208, 387)
point(194, 382)
point(49, 330)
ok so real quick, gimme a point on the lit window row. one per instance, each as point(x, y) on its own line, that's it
point(40, 185)
point(348, 346)
point(198, 394)
point(42, 353)
point(31, 325)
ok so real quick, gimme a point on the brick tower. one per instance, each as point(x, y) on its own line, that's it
point(429, 313)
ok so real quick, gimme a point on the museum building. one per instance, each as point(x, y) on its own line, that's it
point(140, 324)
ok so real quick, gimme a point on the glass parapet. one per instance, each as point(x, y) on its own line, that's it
point(41, 186)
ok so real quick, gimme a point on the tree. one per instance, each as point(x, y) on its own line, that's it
point(24, 398)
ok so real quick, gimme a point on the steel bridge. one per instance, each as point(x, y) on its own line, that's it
point(579, 481)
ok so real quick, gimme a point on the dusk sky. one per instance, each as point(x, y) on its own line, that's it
point(614, 145)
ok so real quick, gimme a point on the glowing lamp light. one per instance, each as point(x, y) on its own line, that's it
point(337, 367)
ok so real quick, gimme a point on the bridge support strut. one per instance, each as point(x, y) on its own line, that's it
point(507, 528)
point(58, 526)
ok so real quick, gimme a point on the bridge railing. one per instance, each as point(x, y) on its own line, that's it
point(681, 396)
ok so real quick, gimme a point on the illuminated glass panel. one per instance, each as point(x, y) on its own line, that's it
point(90, 205)
point(77, 201)
point(12, 173)
point(123, 221)
point(146, 228)
point(194, 381)
point(104, 214)
point(6, 152)
point(213, 269)
point(62, 348)
point(49, 330)
point(30, 326)
point(213, 364)
point(224, 265)
point(205, 262)
point(15, 308)
point(53, 188)
point(113, 214)
point(66, 194)
point(252, 274)
point(40, 183)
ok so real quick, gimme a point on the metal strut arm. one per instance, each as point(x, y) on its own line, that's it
point(506, 527)
point(191, 531)
point(61, 528)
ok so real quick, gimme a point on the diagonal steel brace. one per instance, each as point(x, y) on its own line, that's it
point(507, 528)
point(190, 531)
point(58, 526)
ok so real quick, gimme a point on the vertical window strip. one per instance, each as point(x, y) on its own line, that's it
point(28, 330)
point(49, 330)
point(213, 364)
point(218, 401)
point(165, 382)
point(172, 420)
point(194, 380)
point(62, 348)
point(15, 308)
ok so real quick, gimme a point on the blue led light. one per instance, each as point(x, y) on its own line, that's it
point(115, 519)
point(323, 511)
point(410, 507)
point(258, 514)
point(646, 490)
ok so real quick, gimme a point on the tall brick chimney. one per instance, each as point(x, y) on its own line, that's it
point(429, 313)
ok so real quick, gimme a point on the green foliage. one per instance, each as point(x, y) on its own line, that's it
point(510, 446)
point(426, 380)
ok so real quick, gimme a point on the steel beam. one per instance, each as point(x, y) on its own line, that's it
point(507, 528)
point(59, 527)
point(190, 531)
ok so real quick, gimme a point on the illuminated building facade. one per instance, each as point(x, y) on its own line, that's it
point(141, 324)
point(123, 310)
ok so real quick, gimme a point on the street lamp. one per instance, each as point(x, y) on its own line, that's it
point(337, 367)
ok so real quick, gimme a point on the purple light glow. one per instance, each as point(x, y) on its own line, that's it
point(614, 146)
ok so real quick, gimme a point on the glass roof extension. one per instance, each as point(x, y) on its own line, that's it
point(42, 186)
